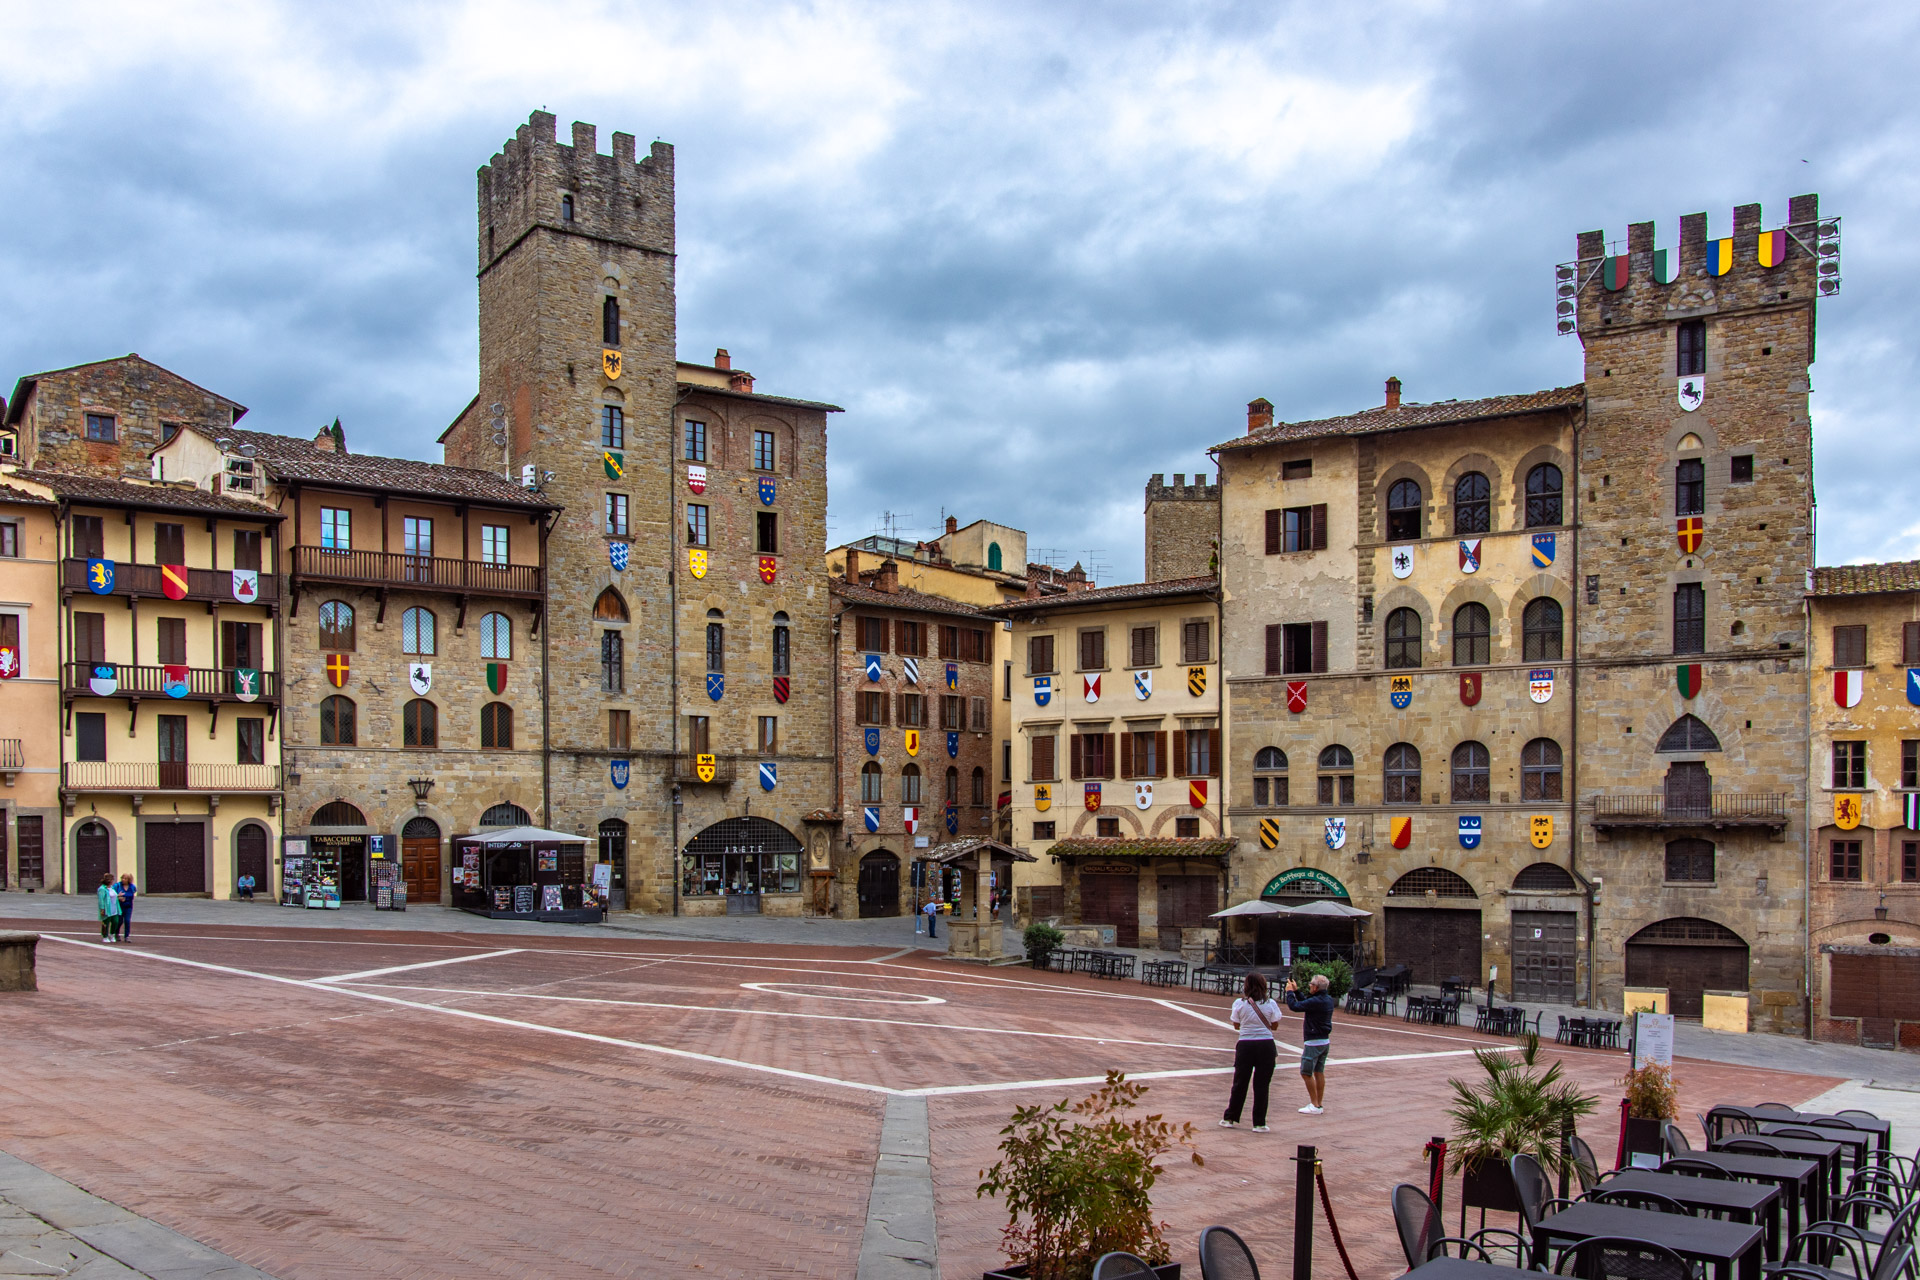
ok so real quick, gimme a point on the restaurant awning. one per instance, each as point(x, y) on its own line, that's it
point(965, 850)
point(525, 835)
point(1142, 847)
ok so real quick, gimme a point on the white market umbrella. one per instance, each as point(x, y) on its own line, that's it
point(1328, 907)
point(1254, 907)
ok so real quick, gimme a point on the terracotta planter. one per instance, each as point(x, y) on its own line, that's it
point(1489, 1185)
point(1166, 1271)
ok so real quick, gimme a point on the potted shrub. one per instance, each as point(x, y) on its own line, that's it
point(1041, 940)
point(1339, 975)
point(1078, 1178)
point(1516, 1108)
point(1652, 1099)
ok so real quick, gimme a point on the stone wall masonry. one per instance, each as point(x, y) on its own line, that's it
point(1183, 522)
point(142, 397)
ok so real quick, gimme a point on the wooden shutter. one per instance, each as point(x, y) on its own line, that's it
point(1160, 754)
point(1126, 755)
point(1319, 646)
point(1910, 643)
point(1273, 532)
point(1850, 646)
point(886, 709)
point(1273, 650)
point(1106, 755)
point(1319, 510)
point(1042, 758)
point(1213, 753)
point(1179, 753)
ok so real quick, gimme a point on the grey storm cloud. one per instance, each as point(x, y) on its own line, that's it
point(1038, 252)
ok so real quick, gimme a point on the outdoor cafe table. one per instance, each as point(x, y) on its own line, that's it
point(1827, 1153)
point(1466, 1269)
point(1856, 1144)
point(1745, 1201)
point(1724, 1246)
point(1881, 1130)
point(1799, 1179)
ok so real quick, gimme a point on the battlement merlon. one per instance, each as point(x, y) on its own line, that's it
point(1158, 490)
point(1664, 283)
point(616, 198)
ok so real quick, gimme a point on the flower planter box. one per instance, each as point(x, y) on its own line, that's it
point(1489, 1185)
point(1644, 1136)
point(1166, 1271)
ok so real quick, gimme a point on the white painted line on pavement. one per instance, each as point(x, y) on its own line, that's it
point(424, 964)
point(1194, 1013)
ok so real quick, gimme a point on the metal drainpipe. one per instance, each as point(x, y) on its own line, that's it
point(839, 796)
point(673, 647)
point(1806, 861)
point(1573, 734)
point(546, 671)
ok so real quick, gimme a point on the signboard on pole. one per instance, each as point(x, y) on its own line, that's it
point(1652, 1039)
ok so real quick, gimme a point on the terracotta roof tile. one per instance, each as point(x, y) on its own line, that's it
point(1111, 595)
point(904, 598)
point(12, 493)
point(131, 494)
point(702, 388)
point(1146, 846)
point(1381, 418)
point(292, 458)
point(1866, 579)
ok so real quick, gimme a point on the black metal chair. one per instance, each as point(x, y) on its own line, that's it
point(1720, 1121)
point(1893, 1261)
point(1122, 1266)
point(1695, 1168)
point(1586, 1165)
point(1775, 1109)
point(1674, 1138)
point(1622, 1258)
point(1753, 1146)
point(1534, 1191)
point(1633, 1199)
point(1423, 1236)
point(1225, 1256)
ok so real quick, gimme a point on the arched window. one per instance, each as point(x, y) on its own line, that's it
point(1543, 495)
point(1472, 772)
point(1540, 770)
point(1688, 733)
point(417, 632)
point(1540, 630)
point(613, 662)
point(993, 556)
point(496, 637)
point(1472, 636)
point(420, 724)
point(910, 784)
point(610, 321)
point(609, 607)
point(338, 813)
point(1438, 881)
point(337, 727)
point(1336, 775)
point(1402, 774)
point(496, 726)
point(336, 626)
point(420, 829)
point(870, 783)
point(1403, 511)
point(716, 646)
point(979, 786)
point(1472, 504)
point(1691, 356)
point(1403, 638)
point(1690, 488)
point(1270, 778)
point(1690, 860)
point(1545, 877)
point(505, 814)
point(782, 646)
point(953, 785)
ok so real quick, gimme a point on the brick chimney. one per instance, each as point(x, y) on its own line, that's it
point(741, 381)
point(853, 566)
point(1033, 585)
point(1076, 579)
point(888, 579)
point(953, 524)
point(1259, 414)
point(324, 441)
point(721, 360)
point(1393, 393)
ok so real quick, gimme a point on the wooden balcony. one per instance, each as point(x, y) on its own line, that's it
point(323, 565)
point(143, 580)
point(1658, 811)
point(132, 776)
point(13, 758)
point(686, 772)
point(204, 684)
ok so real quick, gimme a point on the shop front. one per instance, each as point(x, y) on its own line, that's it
point(1156, 892)
point(525, 873)
point(1281, 939)
point(741, 866)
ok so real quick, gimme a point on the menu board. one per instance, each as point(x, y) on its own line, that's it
point(469, 869)
point(550, 897)
point(293, 872)
point(502, 898)
point(523, 898)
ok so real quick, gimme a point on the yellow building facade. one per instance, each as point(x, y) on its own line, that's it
point(29, 691)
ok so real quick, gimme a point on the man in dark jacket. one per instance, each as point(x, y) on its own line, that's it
point(1316, 1016)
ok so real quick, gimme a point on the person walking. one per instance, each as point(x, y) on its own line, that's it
point(933, 919)
point(1316, 1039)
point(109, 904)
point(125, 891)
point(1256, 1017)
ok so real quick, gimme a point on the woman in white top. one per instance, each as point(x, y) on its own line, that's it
point(1256, 1018)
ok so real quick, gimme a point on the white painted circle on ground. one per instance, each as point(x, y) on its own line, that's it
point(818, 990)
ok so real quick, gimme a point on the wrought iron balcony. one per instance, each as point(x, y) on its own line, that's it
point(686, 770)
point(203, 684)
point(144, 580)
point(418, 573)
point(167, 775)
point(1721, 809)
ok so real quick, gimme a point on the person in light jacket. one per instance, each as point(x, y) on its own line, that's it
point(1256, 1017)
point(126, 891)
point(109, 903)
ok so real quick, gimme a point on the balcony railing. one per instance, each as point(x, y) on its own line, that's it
point(144, 580)
point(686, 770)
point(13, 758)
point(424, 573)
point(1722, 809)
point(168, 775)
point(204, 684)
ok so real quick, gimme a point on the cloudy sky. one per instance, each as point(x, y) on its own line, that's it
point(1039, 251)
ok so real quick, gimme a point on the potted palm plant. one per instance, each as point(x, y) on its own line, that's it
point(1077, 1179)
point(1517, 1107)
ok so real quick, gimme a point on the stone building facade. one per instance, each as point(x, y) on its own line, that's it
point(690, 612)
point(30, 651)
point(1183, 527)
point(1863, 806)
point(1120, 776)
point(107, 417)
point(916, 736)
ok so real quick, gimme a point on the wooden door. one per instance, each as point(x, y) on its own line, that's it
point(420, 863)
point(1185, 903)
point(1114, 900)
point(1687, 971)
point(879, 885)
point(250, 858)
point(176, 857)
point(173, 752)
point(1689, 789)
point(92, 857)
point(1544, 956)
point(1436, 944)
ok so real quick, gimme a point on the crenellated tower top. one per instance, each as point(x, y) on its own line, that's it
point(535, 181)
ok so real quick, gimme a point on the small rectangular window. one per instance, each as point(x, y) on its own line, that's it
point(9, 539)
point(613, 666)
point(977, 714)
point(100, 428)
point(89, 637)
point(1850, 765)
point(1006, 682)
point(870, 708)
point(1843, 861)
point(246, 549)
point(1196, 641)
point(763, 452)
point(1043, 831)
point(89, 537)
point(90, 735)
point(1692, 348)
point(696, 525)
point(494, 544)
point(1296, 657)
point(1107, 828)
point(1042, 755)
point(1299, 469)
point(1910, 644)
point(1850, 646)
point(766, 532)
point(913, 637)
point(696, 441)
point(336, 528)
point(610, 321)
point(873, 635)
point(1910, 764)
point(619, 729)
point(172, 637)
point(953, 712)
point(250, 740)
point(169, 544)
point(1742, 469)
point(1690, 618)
point(769, 735)
point(1909, 861)
point(613, 427)
point(616, 509)
point(1143, 646)
point(566, 208)
point(1186, 828)
point(1093, 650)
point(913, 710)
point(1040, 655)
point(699, 736)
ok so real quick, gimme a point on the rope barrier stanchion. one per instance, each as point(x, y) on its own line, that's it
point(1326, 1205)
point(1305, 1162)
point(1436, 1152)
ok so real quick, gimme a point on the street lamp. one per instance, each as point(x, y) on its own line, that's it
point(421, 786)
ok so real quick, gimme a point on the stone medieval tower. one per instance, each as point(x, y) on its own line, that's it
point(1694, 501)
